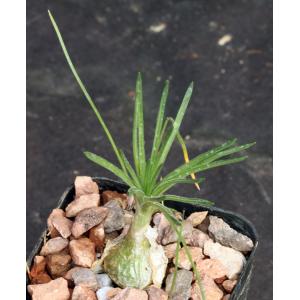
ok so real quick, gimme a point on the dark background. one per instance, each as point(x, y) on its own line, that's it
point(109, 42)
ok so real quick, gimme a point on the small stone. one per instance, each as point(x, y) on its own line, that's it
point(229, 285)
point(198, 238)
point(83, 293)
point(113, 292)
point(211, 290)
point(183, 260)
point(170, 236)
point(130, 202)
point(54, 245)
point(170, 269)
point(39, 264)
point(155, 293)
point(212, 268)
point(63, 225)
point(170, 250)
point(204, 225)
point(231, 259)
point(83, 252)
point(111, 236)
point(225, 39)
point(182, 286)
point(124, 231)
point(81, 203)
point(41, 278)
point(227, 236)
point(128, 217)
point(115, 217)
point(69, 275)
point(131, 294)
point(162, 224)
point(54, 290)
point(86, 278)
point(112, 195)
point(103, 280)
point(56, 212)
point(58, 264)
point(87, 219)
point(197, 218)
point(97, 235)
point(221, 279)
point(85, 185)
point(97, 266)
point(157, 257)
point(102, 294)
point(156, 218)
point(158, 27)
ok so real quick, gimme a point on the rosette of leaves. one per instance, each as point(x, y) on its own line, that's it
point(127, 262)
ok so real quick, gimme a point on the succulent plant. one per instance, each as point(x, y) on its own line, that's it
point(127, 262)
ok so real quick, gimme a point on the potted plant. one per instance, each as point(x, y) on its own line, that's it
point(160, 250)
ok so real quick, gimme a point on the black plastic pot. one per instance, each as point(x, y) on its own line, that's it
point(236, 221)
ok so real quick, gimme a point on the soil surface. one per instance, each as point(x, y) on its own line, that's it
point(225, 47)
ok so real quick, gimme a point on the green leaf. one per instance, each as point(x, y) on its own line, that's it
point(157, 139)
point(205, 161)
point(164, 186)
point(141, 139)
point(130, 170)
point(152, 178)
point(109, 166)
point(176, 262)
point(164, 209)
point(177, 123)
point(228, 152)
point(154, 167)
point(160, 120)
point(225, 162)
point(138, 131)
point(84, 90)
point(175, 198)
point(187, 251)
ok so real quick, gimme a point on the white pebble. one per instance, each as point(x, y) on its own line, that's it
point(103, 280)
point(225, 39)
point(156, 28)
point(102, 293)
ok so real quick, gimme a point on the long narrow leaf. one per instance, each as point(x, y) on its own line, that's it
point(140, 118)
point(157, 138)
point(109, 166)
point(225, 162)
point(164, 186)
point(185, 152)
point(84, 90)
point(154, 167)
point(176, 262)
point(135, 146)
point(164, 209)
point(159, 120)
point(187, 251)
point(130, 170)
point(201, 158)
point(165, 143)
point(182, 199)
point(204, 161)
point(177, 124)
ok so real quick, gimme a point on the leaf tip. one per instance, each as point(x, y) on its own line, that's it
point(139, 76)
point(86, 153)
